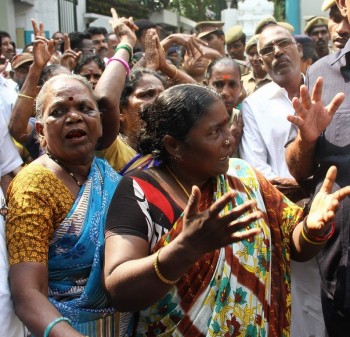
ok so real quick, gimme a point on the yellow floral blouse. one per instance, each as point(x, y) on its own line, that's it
point(38, 202)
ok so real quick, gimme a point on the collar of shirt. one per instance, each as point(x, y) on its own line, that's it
point(250, 77)
point(277, 90)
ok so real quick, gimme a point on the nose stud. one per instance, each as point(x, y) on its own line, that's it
point(227, 142)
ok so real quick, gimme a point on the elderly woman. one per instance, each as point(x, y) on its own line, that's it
point(58, 204)
point(202, 243)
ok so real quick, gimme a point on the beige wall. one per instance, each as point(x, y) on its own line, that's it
point(310, 8)
point(7, 17)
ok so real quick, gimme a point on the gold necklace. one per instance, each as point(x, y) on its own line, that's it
point(178, 181)
point(64, 167)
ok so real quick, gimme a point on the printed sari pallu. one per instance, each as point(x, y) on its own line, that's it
point(242, 289)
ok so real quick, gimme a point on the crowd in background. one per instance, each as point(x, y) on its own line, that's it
point(177, 184)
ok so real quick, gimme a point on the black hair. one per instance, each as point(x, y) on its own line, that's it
point(174, 112)
point(88, 59)
point(243, 38)
point(48, 72)
point(4, 34)
point(308, 47)
point(143, 24)
point(226, 61)
point(77, 38)
point(96, 31)
point(58, 32)
point(132, 81)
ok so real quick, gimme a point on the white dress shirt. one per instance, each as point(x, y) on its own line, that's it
point(10, 325)
point(266, 130)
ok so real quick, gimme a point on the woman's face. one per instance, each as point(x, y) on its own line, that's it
point(204, 153)
point(71, 122)
point(147, 90)
point(226, 81)
point(92, 73)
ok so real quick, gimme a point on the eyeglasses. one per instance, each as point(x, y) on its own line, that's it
point(282, 44)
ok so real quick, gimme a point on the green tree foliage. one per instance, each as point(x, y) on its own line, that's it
point(280, 9)
point(198, 10)
point(123, 7)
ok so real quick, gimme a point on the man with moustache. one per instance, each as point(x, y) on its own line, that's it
point(317, 29)
point(99, 36)
point(323, 140)
point(266, 131)
point(7, 49)
point(338, 25)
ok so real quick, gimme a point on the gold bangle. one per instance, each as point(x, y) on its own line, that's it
point(159, 274)
point(25, 96)
point(309, 240)
point(172, 65)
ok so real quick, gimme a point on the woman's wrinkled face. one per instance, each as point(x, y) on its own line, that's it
point(147, 90)
point(205, 152)
point(71, 123)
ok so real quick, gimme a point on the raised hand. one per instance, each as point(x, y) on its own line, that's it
point(154, 54)
point(325, 205)
point(312, 117)
point(209, 230)
point(70, 58)
point(123, 27)
point(43, 48)
point(39, 30)
point(191, 43)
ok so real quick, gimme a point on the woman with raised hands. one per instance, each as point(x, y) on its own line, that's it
point(200, 245)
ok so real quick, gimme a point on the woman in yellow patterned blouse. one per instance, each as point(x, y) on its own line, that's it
point(58, 205)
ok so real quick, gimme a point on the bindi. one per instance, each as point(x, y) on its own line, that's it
point(70, 98)
point(226, 77)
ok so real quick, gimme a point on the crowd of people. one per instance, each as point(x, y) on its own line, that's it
point(177, 184)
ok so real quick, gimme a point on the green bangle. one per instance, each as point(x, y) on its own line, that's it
point(126, 47)
point(53, 323)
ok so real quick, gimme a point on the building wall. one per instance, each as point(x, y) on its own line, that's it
point(7, 17)
point(16, 14)
point(310, 8)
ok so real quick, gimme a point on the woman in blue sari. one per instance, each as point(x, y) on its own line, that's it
point(58, 205)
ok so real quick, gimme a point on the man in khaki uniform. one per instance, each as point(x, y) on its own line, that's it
point(257, 77)
point(317, 29)
point(235, 44)
point(212, 33)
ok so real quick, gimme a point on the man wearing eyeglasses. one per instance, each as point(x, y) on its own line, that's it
point(266, 131)
point(323, 140)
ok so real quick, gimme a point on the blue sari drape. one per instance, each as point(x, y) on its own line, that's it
point(77, 248)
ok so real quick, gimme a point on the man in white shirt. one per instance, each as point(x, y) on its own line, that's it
point(10, 162)
point(266, 132)
point(266, 128)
